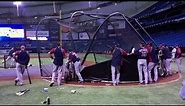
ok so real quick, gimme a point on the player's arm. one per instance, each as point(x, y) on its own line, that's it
point(15, 54)
point(133, 51)
point(27, 59)
point(123, 52)
point(8, 58)
point(64, 53)
point(51, 52)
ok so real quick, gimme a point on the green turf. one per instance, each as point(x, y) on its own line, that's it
point(46, 60)
point(163, 94)
point(150, 94)
point(90, 57)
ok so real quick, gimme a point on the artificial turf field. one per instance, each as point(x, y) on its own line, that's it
point(143, 94)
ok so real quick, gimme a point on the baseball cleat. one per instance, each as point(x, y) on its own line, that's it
point(16, 81)
point(51, 84)
point(81, 82)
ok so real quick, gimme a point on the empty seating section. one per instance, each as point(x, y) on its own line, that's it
point(156, 8)
point(170, 37)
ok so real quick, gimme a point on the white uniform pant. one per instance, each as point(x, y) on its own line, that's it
point(115, 78)
point(77, 66)
point(168, 65)
point(152, 65)
point(179, 63)
point(57, 72)
point(20, 70)
point(142, 66)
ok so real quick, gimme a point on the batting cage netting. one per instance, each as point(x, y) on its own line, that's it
point(4, 62)
point(93, 37)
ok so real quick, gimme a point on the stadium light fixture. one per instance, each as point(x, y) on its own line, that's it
point(17, 3)
point(89, 4)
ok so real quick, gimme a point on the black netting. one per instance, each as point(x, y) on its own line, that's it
point(93, 38)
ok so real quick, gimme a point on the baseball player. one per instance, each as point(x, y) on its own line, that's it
point(70, 65)
point(142, 63)
point(57, 54)
point(152, 60)
point(167, 59)
point(173, 53)
point(73, 57)
point(10, 56)
point(22, 59)
point(116, 63)
point(178, 58)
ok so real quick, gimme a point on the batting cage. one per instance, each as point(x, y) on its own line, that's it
point(5, 61)
point(93, 37)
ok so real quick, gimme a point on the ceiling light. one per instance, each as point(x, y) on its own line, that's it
point(17, 3)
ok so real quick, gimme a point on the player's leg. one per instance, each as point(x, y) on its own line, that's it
point(72, 70)
point(113, 70)
point(178, 62)
point(54, 74)
point(139, 65)
point(18, 68)
point(20, 74)
point(77, 66)
point(155, 73)
point(145, 71)
point(117, 75)
point(150, 67)
point(61, 73)
point(168, 66)
point(23, 67)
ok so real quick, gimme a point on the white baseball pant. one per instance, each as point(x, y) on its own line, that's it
point(115, 70)
point(142, 66)
point(179, 63)
point(77, 66)
point(168, 65)
point(57, 71)
point(20, 70)
point(152, 65)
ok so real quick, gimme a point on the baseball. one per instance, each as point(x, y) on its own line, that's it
point(73, 91)
point(45, 89)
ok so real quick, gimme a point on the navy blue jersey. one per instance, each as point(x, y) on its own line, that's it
point(166, 53)
point(116, 57)
point(154, 55)
point(22, 57)
point(70, 56)
point(58, 60)
point(142, 53)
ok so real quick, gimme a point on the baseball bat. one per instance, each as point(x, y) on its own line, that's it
point(28, 75)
